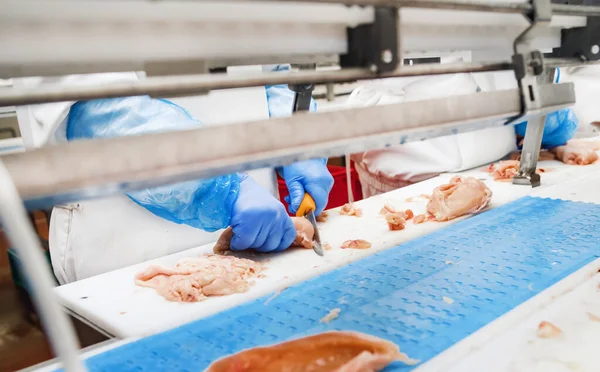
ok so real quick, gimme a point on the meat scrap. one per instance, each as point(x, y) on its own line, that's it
point(593, 317)
point(322, 217)
point(507, 169)
point(327, 247)
point(356, 244)
point(548, 330)
point(387, 208)
point(420, 218)
point(328, 351)
point(396, 221)
point(577, 153)
point(459, 197)
point(304, 236)
point(349, 209)
point(195, 279)
point(413, 198)
point(334, 313)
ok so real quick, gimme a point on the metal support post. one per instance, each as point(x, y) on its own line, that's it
point(303, 92)
point(529, 65)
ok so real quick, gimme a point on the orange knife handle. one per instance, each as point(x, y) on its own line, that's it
point(307, 205)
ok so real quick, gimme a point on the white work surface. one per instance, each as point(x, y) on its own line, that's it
point(115, 304)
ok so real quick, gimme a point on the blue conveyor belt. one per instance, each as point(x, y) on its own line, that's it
point(501, 258)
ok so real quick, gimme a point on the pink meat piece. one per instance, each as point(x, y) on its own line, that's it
point(349, 209)
point(337, 351)
point(396, 221)
point(420, 218)
point(322, 217)
point(304, 236)
point(195, 279)
point(505, 170)
point(577, 153)
point(356, 244)
point(459, 197)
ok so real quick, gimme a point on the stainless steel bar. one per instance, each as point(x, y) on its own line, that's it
point(497, 7)
point(88, 169)
point(192, 85)
point(531, 150)
point(436, 4)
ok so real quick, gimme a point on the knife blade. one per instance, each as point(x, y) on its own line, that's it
point(317, 247)
point(307, 210)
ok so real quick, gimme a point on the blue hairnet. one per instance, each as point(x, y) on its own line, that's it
point(205, 204)
point(281, 99)
point(560, 126)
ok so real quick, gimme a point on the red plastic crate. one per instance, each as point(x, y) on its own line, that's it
point(339, 193)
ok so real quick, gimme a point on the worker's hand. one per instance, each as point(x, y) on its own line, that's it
point(259, 221)
point(310, 176)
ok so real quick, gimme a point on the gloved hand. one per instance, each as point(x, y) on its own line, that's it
point(311, 176)
point(259, 220)
point(560, 126)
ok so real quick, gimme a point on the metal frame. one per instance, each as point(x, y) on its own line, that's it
point(88, 169)
point(191, 37)
point(58, 37)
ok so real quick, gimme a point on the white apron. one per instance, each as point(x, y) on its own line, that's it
point(415, 161)
point(96, 236)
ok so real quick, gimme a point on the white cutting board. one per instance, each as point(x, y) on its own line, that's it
point(114, 303)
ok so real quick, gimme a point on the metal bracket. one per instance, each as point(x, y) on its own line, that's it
point(374, 45)
point(529, 66)
point(582, 42)
point(303, 92)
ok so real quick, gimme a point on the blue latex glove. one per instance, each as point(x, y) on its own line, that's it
point(311, 176)
point(560, 126)
point(259, 221)
point(205, 204)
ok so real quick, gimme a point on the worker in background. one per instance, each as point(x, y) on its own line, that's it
point(96, 236)
point(384, 170)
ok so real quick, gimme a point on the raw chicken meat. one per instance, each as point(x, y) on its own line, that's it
point(420, 218)
point(548, 330)
point(349, 209)
point(195, 279)
point(325, 352)
point(414, 198)
point(333, 314)
point(356, 244)
point(396, 221)
point(322, 217)
point(577, 153)
point(459, 197)
point(387, 208)
point(304, 236)
point(505, 170)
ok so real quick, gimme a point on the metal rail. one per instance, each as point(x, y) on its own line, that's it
point(197, 84)
point(88, 169)
point(498, 7)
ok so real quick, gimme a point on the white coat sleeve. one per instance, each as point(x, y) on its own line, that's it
point(46, 123)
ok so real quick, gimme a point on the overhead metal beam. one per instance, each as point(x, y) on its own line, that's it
point(197, 84)
point(88, 169)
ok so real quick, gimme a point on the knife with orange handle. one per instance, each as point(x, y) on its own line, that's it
point(307, 210)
